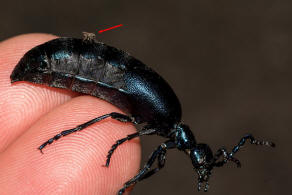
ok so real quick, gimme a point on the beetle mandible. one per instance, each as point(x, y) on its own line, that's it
point(94, 68)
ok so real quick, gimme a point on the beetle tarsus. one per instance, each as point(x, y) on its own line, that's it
point(114, 147)
point(41, 150)
point(229, 156)
point(121, 191)
point(252, 141)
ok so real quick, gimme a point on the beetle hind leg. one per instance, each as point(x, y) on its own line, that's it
point(114, 115)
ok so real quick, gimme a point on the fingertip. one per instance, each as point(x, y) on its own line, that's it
point(75, 161)
point(22, 103)
point(28, 39)
point(14, 48)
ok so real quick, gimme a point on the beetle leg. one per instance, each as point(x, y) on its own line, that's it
point(129, 137)
point(226, 157)
point(114, 115)
point(252, 141)
point(229, 156)
point(161, 162)
point(145, 173)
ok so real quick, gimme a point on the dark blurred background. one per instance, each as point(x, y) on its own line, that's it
point(228, 61)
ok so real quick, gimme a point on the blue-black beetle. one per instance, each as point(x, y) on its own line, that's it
point(94, 68)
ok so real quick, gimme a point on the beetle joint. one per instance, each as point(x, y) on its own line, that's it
point(163, 146)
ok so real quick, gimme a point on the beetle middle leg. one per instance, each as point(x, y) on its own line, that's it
point(144, 131)
point(114, 115)
point(144, 173)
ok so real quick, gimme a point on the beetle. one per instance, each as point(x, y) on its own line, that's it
point(94, 68)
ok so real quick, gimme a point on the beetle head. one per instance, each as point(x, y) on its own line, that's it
point(202, 160)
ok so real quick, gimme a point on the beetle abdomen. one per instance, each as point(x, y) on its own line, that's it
point(87, 67)
point(61, 62)
point(102, 71)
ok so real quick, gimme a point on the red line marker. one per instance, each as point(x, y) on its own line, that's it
point(101, 31)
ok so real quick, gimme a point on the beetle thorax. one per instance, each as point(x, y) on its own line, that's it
point(184, 138)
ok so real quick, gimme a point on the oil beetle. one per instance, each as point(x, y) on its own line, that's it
point(94, 68)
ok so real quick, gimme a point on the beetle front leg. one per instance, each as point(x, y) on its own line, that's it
point(226, 157)
point(114, 115)
point(252, 141)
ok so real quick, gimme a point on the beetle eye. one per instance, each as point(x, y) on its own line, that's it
point(200, 158)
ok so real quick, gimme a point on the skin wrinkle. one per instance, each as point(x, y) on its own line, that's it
point(25, 171)
point(23, 102)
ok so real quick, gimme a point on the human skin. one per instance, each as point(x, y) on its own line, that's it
point(30, 114)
